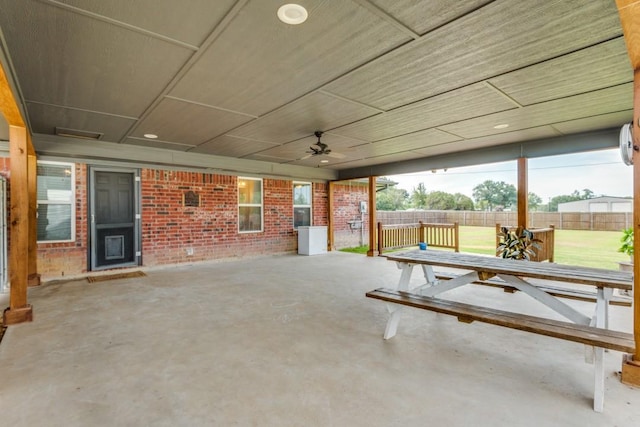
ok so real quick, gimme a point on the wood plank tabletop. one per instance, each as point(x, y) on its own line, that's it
point(539, 270)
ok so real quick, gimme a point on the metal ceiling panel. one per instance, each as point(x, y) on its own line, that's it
point(498, 38)
point(45, 118)
point(68, 59)
point(612, 120)
point(594, 68)
point(259, 63)
point(489, 141)
point(197, 123)
point(231, 146)
point(299, 119)
point(356, 69)
point(423, 16)
point(610, 100)
point(154, 143)
point(376, 160)
point(412, 141)
point(468, 102)
point(166, 17)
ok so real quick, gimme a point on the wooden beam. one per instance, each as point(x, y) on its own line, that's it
point(19, 145)
point(523, 193)
point(19, 311)
point(372, 217)
point(629, 11)
point(8, 105)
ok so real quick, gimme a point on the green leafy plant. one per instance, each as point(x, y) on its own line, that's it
point(517, 244)
point(627, 242)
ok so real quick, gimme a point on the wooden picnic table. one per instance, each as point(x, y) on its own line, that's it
point(590, 330)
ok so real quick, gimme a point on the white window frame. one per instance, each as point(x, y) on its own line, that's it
point(310, 205)
point(252, 205)
point(71, 202)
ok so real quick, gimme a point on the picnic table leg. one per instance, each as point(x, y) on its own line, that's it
point(601, 320)
point(405, 276)
point(394, 320)
point(395, 311)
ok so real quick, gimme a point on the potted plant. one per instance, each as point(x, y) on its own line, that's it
point(626, 247)
point(517, 243)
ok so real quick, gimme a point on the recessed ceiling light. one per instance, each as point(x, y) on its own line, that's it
point(151, 135)
point(501, 126)
point(292, 14)
point(324, 161)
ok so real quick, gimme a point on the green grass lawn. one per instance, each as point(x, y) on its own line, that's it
point(575, 247)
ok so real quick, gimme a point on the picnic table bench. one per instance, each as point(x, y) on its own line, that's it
point(589, 330)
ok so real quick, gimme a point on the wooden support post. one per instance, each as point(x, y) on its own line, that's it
point(19, 311)
point(372, 217)
point(629, 12)
point(523, 193)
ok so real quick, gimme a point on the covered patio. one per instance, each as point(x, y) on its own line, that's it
point(287, 341)
point(167, 138)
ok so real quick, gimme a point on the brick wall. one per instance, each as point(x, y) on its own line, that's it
point(174, 233)
point(346, 198)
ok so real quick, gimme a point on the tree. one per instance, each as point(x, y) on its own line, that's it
point(494, 194)
point(534, 201)
point(419, 197)
point(391, 199)
point(463, 203)
point(439, 200)
point(576, 195)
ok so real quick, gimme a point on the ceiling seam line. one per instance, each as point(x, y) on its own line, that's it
point(390, 19)
point(120, 24)
point(475, 9)
point(349, 100)
point(502, 94)
point(211, 38)
point(579, 94)
point(202, 104)
point(48, 104)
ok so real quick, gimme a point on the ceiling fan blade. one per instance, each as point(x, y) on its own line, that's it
point(336, 155)
point(306, 156)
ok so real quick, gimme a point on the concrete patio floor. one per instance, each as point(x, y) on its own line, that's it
point(289, 341)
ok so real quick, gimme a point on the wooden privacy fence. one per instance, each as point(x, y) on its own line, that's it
point(394, 236)
point(546, 235)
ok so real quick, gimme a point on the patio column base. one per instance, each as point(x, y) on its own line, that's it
point(630, 371)
point(33, 280)
point(13, 316)
point(372, 253)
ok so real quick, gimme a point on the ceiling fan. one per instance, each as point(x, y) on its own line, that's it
point(321, 149)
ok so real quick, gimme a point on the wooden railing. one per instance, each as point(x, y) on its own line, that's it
point(546, 235)
point(394, 236)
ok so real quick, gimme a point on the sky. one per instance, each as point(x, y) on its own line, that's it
point(602, 172)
